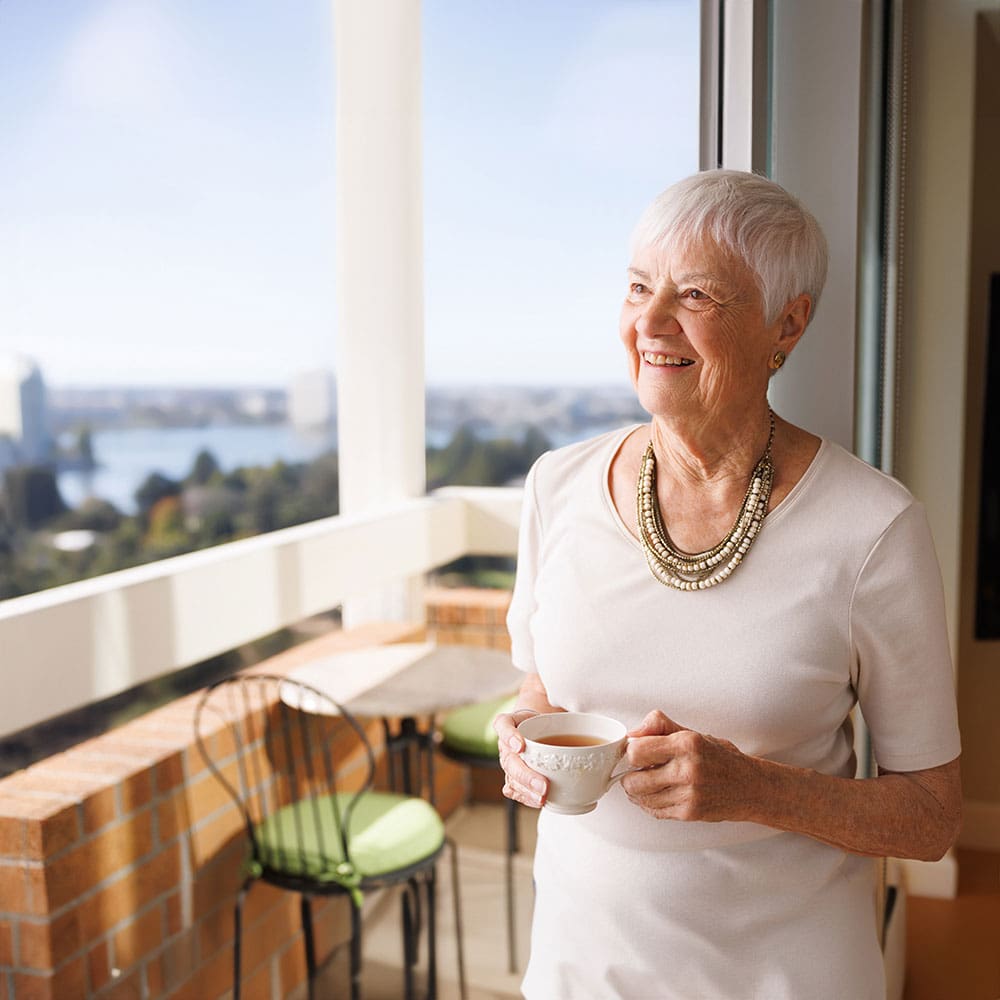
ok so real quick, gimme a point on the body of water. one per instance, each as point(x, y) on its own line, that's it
point(126, 457)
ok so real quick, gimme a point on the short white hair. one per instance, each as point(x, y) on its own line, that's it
point(750, 217)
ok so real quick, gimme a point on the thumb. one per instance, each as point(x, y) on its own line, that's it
point(656, 724)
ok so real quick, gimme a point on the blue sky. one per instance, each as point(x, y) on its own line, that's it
point(167, 188)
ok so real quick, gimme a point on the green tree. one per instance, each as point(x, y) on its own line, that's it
point(205, 467)
point(93, 514)
point(85, 447)
point(155, 487)
point(32, 496)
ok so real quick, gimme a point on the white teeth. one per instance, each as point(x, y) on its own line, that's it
point(665, 359)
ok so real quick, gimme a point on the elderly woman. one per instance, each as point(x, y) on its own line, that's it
point(730, 586)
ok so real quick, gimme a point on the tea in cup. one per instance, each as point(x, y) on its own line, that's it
point(578, 753)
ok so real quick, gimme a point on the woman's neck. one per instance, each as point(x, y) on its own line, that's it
point(716, 450)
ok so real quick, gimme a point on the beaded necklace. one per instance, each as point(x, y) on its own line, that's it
point(701, 570)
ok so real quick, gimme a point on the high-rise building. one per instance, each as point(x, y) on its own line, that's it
point(312, 399)
point(23, 412)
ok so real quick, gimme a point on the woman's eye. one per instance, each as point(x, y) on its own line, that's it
point(697, 295)
point(637, 288)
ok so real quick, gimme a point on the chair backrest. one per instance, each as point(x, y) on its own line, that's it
point(274, 742)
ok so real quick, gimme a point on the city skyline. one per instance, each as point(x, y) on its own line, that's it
point(167, 189)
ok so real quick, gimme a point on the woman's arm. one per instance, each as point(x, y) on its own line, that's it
point(691, 776)
point(522, 784)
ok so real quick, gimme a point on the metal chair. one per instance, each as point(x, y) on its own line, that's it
point(466, 736)
point(301, 770)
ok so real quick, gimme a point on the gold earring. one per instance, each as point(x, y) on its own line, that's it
point(778, 360)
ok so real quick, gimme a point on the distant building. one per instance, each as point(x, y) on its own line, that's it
point(312, 399)
point(23, 411)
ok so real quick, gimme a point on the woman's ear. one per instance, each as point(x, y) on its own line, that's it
point(794, 320)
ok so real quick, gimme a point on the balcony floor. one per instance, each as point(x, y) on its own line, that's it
point(479, 831)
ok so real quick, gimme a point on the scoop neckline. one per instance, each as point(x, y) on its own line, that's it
point(776, 514)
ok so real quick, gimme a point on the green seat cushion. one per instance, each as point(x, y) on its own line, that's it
point(469, 729)
point(386, 833)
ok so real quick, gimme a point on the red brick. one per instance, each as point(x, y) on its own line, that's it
point(99, 965)
point(155, 980)
point(130, 771)
point(13, 888)
point(45, 944)
point(100, 809)
point(54, 833)
point(37, 897)
point(127, 987)
point(139, 938)
point(69, 982)
point(12, 833)
point(168, 773)
point(177, 960)
point(35, 822)
point(129, 894)
point(213, 836)
point(331, 925)
point(174, 914)
point(6, 943)
point(210, 979)
point(207, 795)
point(172, 816)
point(257, 986)
point(218, 880)
point(291, 967)
point(263, 897)
point(72, 874)
point(215, 930)
point(263, 938)
point(81, 781)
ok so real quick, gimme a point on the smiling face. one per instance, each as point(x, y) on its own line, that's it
point(693, 328)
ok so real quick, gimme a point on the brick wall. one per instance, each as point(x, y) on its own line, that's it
point(472, 617)
point(120, 858)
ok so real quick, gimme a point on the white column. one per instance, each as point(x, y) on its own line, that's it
point(380, 348)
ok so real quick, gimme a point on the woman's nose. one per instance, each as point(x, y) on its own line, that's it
point(659, 317)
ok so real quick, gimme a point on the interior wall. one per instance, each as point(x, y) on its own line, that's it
point(815, 101)
point(938, 352)
point(979, 678)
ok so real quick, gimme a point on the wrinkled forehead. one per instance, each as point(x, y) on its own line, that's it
point(690, 255)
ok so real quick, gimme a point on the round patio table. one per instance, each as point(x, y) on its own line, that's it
point(401, 682)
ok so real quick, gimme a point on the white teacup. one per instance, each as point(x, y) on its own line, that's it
point(578, 753)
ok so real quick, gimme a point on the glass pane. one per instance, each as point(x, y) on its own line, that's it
point(545, 136)
point(166, 270)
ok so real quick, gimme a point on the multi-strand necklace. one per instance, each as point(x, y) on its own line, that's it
point(700, 570)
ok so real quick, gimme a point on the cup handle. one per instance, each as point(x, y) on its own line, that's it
point(617, 776)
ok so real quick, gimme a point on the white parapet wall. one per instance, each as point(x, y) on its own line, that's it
point(64, 648)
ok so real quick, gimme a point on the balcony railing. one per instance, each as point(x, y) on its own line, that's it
point(73, 645)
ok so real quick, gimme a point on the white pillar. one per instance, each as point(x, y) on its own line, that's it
point(380, 345)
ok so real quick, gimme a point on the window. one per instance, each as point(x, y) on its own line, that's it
point(166, 273)
point(545, 135)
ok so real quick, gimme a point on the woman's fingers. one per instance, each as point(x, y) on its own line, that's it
point(656, 723)
point(523, 784)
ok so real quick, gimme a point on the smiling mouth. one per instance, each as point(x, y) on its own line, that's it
point(665, 360)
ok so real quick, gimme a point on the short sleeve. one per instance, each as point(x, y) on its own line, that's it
point(522, 603)
point(904, 677)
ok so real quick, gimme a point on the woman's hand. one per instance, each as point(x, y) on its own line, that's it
point(687, 775)
point(522, 783)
